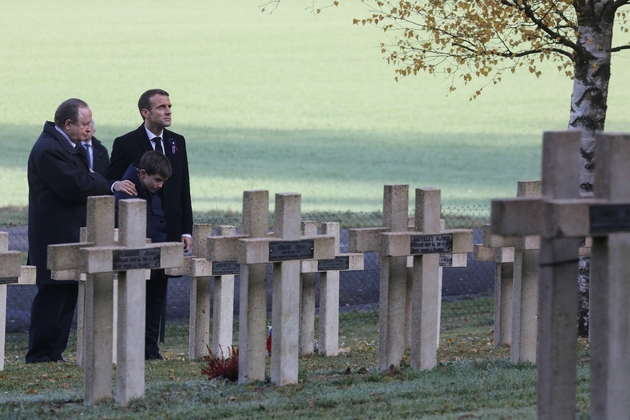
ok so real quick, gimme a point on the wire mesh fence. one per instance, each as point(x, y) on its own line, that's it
point(466, 292)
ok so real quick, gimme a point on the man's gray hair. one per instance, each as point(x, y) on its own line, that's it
point(69, 110)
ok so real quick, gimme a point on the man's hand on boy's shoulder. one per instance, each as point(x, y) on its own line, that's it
point(125, 186)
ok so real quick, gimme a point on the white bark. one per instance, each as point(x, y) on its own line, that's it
point(592, 76)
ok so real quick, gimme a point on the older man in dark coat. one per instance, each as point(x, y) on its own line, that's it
point(59, 181)
point(97, 153)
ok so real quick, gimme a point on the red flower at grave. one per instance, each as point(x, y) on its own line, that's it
point(222, 366)
point(269, 342)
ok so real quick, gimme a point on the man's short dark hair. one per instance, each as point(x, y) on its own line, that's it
point(155, 163)
point(69, 110)
point(143, 102)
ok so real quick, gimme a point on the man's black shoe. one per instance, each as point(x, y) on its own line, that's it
point(60, 359)
point(153, 356)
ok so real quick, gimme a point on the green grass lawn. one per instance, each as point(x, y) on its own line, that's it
point(284, 102)
point(473, 378)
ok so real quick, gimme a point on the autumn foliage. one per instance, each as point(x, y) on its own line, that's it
point(222, 366)
point(484, 38)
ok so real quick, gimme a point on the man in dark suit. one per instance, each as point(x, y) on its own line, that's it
point(155, 108)
point(59, 182)
point(97, 153)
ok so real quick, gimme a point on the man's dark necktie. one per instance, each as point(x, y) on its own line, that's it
point(158, 144)
point(83, 153)
point(89, 155)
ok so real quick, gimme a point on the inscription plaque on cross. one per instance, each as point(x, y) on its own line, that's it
point(415, 300)
point(284, 250)
point(99, 259)
point(201, 271)
point(446, 261)
point(563, 220)
point(328, 292)
point(11, 273)
point(425, 245)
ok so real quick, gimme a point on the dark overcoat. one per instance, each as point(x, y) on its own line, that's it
point(129, 149)
point(100, 157)
point(59, 183)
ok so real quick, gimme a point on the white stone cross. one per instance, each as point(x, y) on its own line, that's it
point(558, 259)
point(500, 251)
point(100, 259)
point(11, 273)
point(284, 249)
point(415, 301)
point(328, 293)
point(201, 271)
point(516, 284)
point(563, 219)
point(253, 286)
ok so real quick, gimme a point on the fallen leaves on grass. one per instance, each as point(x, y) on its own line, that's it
point(478, 346)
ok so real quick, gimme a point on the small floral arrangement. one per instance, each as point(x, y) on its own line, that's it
point(222, 366)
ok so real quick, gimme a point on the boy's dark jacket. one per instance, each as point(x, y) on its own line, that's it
point(156, 220)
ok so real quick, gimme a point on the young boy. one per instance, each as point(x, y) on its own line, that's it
point(149, 176)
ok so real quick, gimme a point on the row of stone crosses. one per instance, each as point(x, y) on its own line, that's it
point(535, 241)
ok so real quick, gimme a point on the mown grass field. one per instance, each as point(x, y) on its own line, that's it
point(473, 379)
point(282, 101)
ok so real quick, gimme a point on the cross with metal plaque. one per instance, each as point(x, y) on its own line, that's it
point(415, 299)
point(201, 271)
point(425, 245)
point(11, 273)
point(516, 283)
point(518, 256)
point(99, 259)
point(253, 285)
point(563, 219)
point(328, 293)
point(285, 249)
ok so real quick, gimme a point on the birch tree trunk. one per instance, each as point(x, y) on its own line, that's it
point(589, 102)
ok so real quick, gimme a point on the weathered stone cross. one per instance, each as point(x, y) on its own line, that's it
point(516, 286)
point(562, 219)
point(253, 286)
point(11, 272)
point(557, 307)
point(201, 271)
point(100, 259)
point(284, 249)
point(500, 251)
point(328, 293)
point(395, 243)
